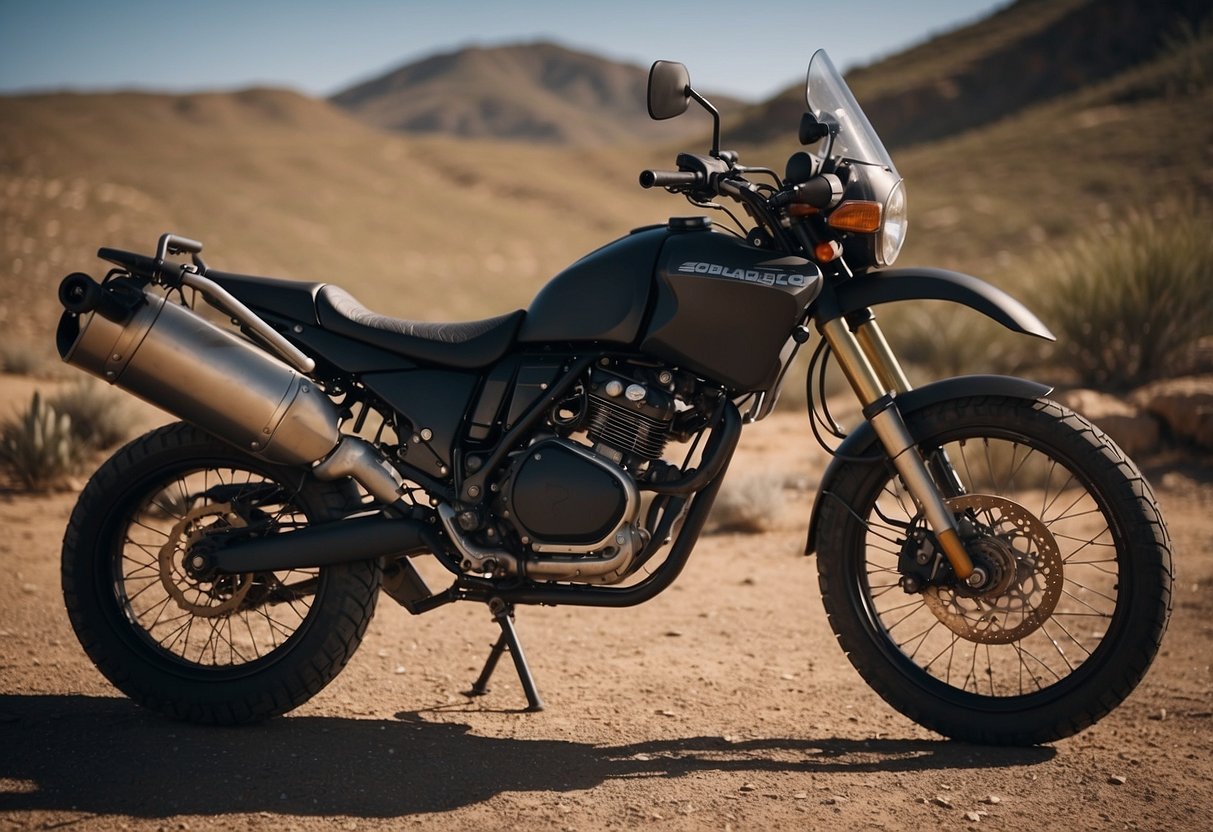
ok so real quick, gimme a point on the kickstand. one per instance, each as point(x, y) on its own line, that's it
point(503, 614)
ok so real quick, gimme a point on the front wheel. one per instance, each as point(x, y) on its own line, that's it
point(207, 648)
point(1079, 551)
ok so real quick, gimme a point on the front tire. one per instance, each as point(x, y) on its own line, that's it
point(1084, 604)
point(206, 649)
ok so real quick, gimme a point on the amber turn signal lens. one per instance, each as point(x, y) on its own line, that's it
point(827, 251)
point(856, 215)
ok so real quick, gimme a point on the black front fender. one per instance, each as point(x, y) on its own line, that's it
point(894, 285)
point(861, 446)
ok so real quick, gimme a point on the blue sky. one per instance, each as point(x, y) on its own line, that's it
point(748, 49)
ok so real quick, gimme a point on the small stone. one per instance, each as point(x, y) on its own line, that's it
point(399, 669)
point(1160, 716)
point(834, 800)
point(991, 800)
point(942, 801)
point(673, 633)
point(667, 713)
point(787, 677)
point(972, 816)
point(644, 758)
point(29, 589)
point(747, 787)
point(1118, 780)
point(800, 796)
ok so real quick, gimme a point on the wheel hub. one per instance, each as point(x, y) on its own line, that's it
point(1025, 571)
point(206, 596)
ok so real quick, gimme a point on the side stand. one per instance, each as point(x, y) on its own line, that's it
point(503, 614)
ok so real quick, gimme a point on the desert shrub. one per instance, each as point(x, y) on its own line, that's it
point(38, 448)
point(748, 504)
point(935, 341)
point(1127, 305)
point(100, 416)
point(20, 359)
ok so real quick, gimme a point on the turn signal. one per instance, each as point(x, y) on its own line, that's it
point(827, 251)
point(856, 215)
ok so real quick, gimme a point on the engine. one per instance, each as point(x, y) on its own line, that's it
point(576, 507)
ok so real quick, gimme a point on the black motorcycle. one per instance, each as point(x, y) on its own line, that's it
point(992, 564)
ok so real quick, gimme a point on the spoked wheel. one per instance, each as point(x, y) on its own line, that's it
point(1078, 572)
point(207, 647)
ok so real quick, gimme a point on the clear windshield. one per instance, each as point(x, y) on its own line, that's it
point(830, 100)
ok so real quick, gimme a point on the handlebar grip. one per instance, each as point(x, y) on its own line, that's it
point(669, 178)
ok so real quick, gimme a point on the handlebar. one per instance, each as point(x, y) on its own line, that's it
point(172, 244)
point(670, 179)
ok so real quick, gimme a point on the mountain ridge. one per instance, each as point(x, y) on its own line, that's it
point(536, 92)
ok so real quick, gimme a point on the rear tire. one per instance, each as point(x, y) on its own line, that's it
point(1076, 628)
point(228, 650)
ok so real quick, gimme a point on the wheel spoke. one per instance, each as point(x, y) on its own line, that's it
point(205, 622)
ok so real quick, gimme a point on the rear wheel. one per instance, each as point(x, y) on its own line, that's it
point(207, 648)
point(1079, 555)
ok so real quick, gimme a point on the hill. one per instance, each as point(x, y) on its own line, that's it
point(536, 92)
point(1028, 53)
point(441, 228)
point(276, 183)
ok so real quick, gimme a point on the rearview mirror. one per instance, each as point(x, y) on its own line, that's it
point(669, 90)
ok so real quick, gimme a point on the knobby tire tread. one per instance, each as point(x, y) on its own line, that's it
point(1146, 536)
point(350, 594)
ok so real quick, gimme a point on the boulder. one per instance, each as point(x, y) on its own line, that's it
point(1184, 405)
point(1135, 431)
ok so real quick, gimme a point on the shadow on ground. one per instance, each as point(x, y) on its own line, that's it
point(107, 756)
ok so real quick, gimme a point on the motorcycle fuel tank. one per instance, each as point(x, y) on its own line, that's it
point(602, 297)
point(725, 309)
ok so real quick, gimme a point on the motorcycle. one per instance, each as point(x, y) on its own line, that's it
point(991, 563)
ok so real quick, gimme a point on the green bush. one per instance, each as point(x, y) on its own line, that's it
point(100, 416)
point(38, 448)
point(1127, 306)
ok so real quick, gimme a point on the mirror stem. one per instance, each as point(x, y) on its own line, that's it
point(707, 105)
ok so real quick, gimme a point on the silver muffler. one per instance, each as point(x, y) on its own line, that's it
point(170, 356)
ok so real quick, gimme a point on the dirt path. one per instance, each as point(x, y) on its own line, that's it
point(725, 703)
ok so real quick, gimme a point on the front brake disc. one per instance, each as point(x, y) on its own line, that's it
point(1028, 568)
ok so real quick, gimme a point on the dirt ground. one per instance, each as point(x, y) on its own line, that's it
point(723, 704)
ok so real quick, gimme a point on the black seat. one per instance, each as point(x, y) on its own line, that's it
point(467, 345)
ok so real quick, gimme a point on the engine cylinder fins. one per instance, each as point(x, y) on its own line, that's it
point(627, 430)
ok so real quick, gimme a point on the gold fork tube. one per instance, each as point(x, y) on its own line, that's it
point(888, 369)
point(854, 362)
point(870, 387)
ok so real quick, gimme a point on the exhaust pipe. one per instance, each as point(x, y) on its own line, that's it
point(168, 355)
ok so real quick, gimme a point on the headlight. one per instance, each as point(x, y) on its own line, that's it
point(892, 232)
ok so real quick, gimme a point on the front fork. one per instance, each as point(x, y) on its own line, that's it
point(876, 377)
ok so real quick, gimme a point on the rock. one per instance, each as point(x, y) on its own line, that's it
point(942, 801)
point(991, 800)
point(1184, 405)
point(834, 800)
point(747, 787)
point(1118, 780)
point(972, 816)
point(1134, 431)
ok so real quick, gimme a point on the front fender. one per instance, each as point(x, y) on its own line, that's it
point(893, 285)
point(861, 446)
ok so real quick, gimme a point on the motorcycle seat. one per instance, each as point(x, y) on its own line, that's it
point(465, 345)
